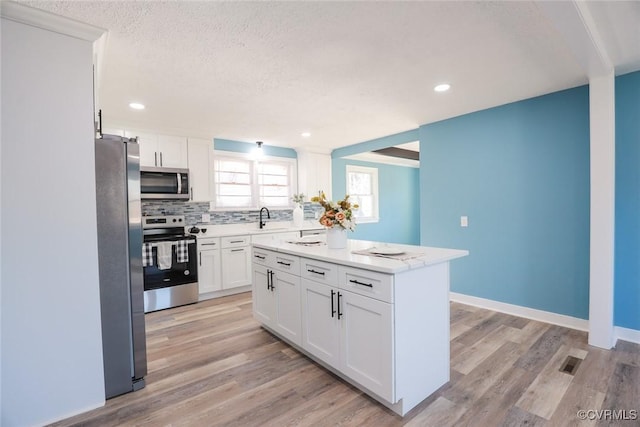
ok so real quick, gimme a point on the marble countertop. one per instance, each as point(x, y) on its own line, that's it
point(420, 256)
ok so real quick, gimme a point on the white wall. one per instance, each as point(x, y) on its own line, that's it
point(51, 334)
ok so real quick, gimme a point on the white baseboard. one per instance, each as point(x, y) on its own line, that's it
point(631, 335)
point(526, 312)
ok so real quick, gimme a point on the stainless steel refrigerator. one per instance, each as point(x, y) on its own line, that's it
point(119, 215)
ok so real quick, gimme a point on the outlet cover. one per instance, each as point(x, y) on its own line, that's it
point(206, 217)
point(464, 221)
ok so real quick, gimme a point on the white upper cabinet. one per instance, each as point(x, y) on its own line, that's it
point(314, 173)
point(161, 150)
point(172, 151)
point(200, 166)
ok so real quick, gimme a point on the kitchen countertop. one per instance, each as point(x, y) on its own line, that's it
point(251, 228)
point(424, 255)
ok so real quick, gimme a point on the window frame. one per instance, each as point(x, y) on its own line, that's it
point(375, 191)
point(256, 202)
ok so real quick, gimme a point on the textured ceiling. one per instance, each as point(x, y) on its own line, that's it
point(345, 71)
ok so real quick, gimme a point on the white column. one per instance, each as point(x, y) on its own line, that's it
point(602, 129)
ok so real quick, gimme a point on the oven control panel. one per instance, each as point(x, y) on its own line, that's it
point(164, 221)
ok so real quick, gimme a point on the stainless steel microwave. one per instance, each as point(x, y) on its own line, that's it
point(164, 183)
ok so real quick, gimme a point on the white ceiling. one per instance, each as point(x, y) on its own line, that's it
point(345, 71)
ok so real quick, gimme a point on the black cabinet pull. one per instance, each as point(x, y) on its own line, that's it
point(259, 256)
point(161, 159)
point(340, 314)
point(333, 310)
point(237, 250)
point(155, 158)
point(361, 283)
point(316, 272)
point(236, 241)
point(272, 287)
point(200, 258)
point(268, 279)
point(288, 264)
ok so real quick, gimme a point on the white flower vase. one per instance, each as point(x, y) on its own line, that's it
point(298, 216)
point(336, 238)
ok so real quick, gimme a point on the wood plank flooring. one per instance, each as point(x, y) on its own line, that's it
point(210, 364)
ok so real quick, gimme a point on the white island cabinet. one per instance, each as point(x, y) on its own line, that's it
point(380, 323)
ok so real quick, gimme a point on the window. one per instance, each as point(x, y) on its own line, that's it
point(362, 188)
point(240, 182)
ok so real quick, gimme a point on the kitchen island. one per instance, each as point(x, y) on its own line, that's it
point(377, 315)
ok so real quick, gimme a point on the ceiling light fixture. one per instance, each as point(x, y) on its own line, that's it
point(258, 151)
point(136, 106)
point(442, 87)
point(305, 134)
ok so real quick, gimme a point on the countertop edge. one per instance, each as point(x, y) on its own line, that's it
point(347, 258)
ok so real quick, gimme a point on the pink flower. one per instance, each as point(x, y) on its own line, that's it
point(326, 221)
point(340, 216)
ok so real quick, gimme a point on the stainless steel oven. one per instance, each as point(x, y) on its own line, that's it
point(170, 262)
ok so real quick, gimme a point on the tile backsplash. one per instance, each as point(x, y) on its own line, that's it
point(193, 212)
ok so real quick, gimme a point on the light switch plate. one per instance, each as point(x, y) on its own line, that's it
point(464, 221)
point(206, 217)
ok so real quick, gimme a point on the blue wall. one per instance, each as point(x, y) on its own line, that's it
point(399, 206)
point(247, 147)
point(521, 174)
point(627, 244)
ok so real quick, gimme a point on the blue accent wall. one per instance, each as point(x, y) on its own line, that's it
point(520, 172)
point(627, 231)
point(246, 147)
point(399, 206)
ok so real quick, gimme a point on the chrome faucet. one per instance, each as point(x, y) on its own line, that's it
point(262, 224)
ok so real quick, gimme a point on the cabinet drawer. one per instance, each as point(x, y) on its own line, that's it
point(287, 263)
point(262, 257)
point(369, 283)
point(208, 243)
point(234, 241)
point(319, 271)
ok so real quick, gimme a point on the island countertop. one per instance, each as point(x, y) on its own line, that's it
point(415, 256)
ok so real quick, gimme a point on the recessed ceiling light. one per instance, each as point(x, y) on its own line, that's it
point(442, 87)
point(136, 106)
point(306, 134)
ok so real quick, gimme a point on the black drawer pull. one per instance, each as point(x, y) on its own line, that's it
point(236, 241)
point(316, 272)
point(237, 250)
point(333, 310)
point(361, 283)
point(260, 256)
point(209, 244)
point(288, 264)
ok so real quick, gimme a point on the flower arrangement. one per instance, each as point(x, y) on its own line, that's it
point(337, 213)
point(298, 198)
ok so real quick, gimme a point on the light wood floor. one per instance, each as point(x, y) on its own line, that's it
point(210, 364)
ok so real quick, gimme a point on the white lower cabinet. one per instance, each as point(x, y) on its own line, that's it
point(350, 332)
point(209, 266)
point(236, 267)
point(276, 300)
point(304, 301)
point(236, 261)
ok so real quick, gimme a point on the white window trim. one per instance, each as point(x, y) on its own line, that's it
point(255, 194)
point(375, 190)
